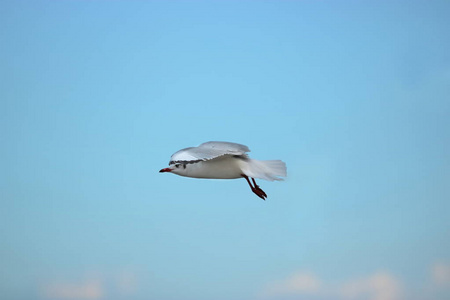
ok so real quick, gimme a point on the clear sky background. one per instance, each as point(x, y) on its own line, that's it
point(353, 95)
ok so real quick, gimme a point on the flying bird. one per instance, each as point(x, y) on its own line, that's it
point(224, 160)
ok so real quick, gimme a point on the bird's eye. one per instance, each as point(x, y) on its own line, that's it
point(177, 166)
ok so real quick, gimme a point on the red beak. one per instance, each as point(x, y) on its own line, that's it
point(165, 170)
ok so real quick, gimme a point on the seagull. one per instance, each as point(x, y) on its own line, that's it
point(225, 160)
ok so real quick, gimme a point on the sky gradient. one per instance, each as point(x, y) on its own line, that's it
point(353, 95)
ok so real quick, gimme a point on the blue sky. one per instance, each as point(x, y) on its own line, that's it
point(352, 95)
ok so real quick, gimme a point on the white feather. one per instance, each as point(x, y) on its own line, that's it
point(264, 169)
point(208, 151)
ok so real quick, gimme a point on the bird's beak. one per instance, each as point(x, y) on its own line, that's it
point(165, 170)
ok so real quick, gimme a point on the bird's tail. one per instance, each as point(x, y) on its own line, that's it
point(265, 169)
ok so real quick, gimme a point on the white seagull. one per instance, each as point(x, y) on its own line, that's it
point(224, 160)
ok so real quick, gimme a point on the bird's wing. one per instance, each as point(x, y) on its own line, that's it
point(208, 151)
point(227, 147)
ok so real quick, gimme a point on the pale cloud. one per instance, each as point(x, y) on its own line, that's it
point(299, 283)
point(89, 289)
point(377, 286)
point(441, 274)
point(93, 285)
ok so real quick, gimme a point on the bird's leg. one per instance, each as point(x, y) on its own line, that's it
point(246, 178)
point(255, 189)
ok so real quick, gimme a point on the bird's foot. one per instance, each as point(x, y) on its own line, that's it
point(259, 192)
point(255, 188)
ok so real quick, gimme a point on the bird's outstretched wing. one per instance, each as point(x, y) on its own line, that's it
point(208, 151)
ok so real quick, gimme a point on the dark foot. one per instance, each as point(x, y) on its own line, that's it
point(259, 192)
point(255, 188)
point(258, 189)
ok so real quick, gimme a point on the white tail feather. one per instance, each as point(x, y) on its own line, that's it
point(265, 169)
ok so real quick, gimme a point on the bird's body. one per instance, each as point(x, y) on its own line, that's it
point(229, 166)
point(224, 160)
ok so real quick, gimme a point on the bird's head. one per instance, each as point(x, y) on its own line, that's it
point(178, 169)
